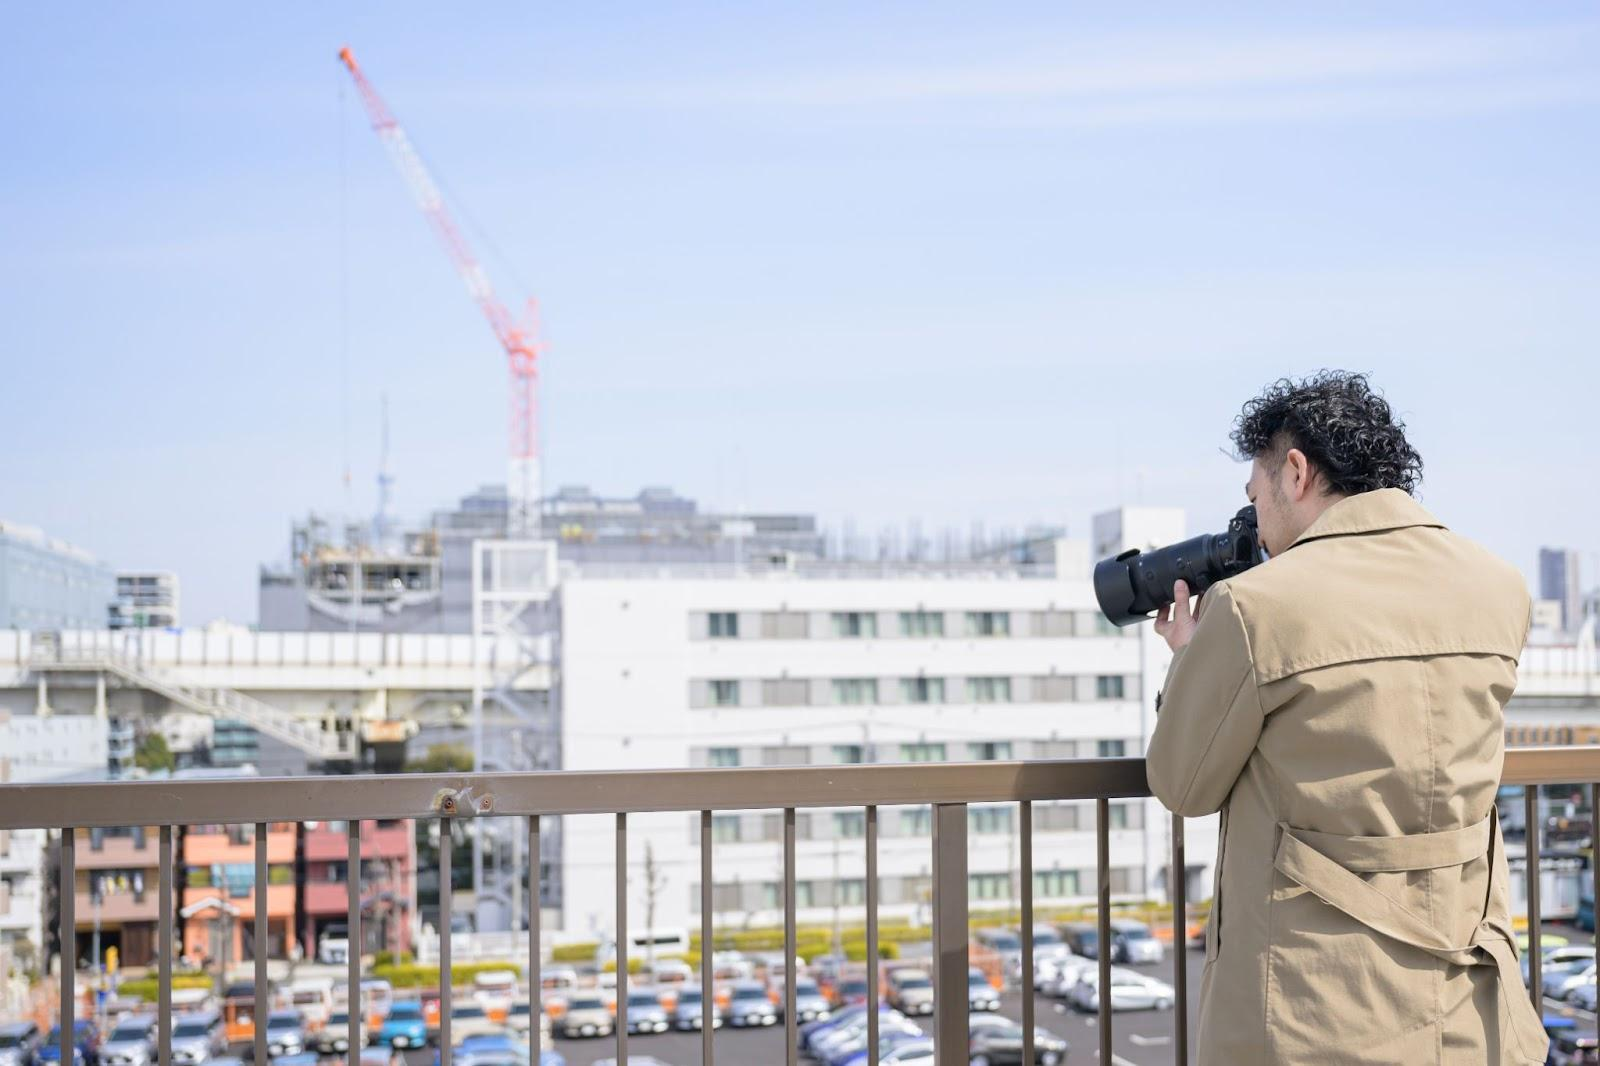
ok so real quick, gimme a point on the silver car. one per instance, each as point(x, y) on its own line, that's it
point(586, 1015)
point(911, 992)
point(131, 1043)
point(645, 1012)
point(810, 1005)
point(750, 1004)
point(19, 1043)
point(689, 1011)
point(1130, 990)
point(198, 1037)
point(284, 1034)
point(981, 994)
point(1133, 942)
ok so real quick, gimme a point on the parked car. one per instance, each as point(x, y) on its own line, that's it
point(1001, 1045)
point(645, 1014)
point(334, 1037)
point(85, 1044)
point(888, 1044)
point(911, 991)
point(285, 1034)
point(469, 1018)
point(1130, 990)
point(919, 1051)
point(981, 993)
point(586, 1015)
point(19, 1044)
point(1004, 943)
point(689, 1010)
point(489, 1049)
point(1132, 942)
point(850, 990)
point(1561, 983)
point(1565, 957)
point(405, 1027)
point(1083, 938)
point(333, 946)
point(1057, 976)
point(749, 1004)
point(1583, 997)
point(843, 1044)
point(809, 1002)
point(1572, 1048)
point(198, 1037)
point(131, 1043)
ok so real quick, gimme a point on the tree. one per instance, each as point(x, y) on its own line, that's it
point(442, 759)
point(153, 753)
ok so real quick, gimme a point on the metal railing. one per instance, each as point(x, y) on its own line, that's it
point(949, 788)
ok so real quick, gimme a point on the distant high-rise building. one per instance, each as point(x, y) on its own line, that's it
point(1558, 580)
point(146, 599)
point(49, 584)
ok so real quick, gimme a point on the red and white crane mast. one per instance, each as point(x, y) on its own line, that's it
point(519, 341)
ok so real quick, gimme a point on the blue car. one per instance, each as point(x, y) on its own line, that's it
point(85, 1037)
point(405, 1026)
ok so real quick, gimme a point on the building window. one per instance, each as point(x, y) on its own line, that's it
point(852, 892)
point(1108, 687)
point(916, 821)
point(847, 753)
point(1051, 624)
point(725, 828)
point(785, 755)
point(1054, 688)
point(1124, 879)
point(1125, 816)
point(724, 624)
point(922, 753)
point(989, 689)
point(722, 757)
point(855, 624)
point(850, 824)
point(786, 692)
point(989, 749)
point(922, 623)
point(988, 623)
point(989, 819)
point(1055, 884)
point(784, 625)
point(724, 693)
point(922, 689)
point(1112, 749)
point(989, 886)
point(855, 690)
point(1055, 817)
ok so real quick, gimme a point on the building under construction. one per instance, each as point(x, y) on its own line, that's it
point(420, 581)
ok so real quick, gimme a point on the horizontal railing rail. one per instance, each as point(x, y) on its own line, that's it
point(948, 788)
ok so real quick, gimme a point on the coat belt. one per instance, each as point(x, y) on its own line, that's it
point(1327, 864)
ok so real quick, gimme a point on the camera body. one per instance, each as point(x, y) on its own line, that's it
point(1134, 584)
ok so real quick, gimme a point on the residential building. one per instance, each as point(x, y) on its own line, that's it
point(388, 884)
point(116, 895)
point(219, 890)
point(47, 584)
point(146, 599)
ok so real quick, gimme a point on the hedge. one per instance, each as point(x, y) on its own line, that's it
point(147, 988)
point(387, 958)
point(416, 975)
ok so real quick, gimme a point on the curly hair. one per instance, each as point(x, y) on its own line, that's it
point(1347, 430)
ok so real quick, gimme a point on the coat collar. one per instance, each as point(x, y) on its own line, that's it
point(1369, 512)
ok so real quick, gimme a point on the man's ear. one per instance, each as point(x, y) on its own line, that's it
point(1300, 473)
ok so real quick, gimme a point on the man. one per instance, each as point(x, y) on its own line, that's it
point(1341, 705)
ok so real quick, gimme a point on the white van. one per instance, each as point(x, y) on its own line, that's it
point(665, 941)
point(313, 998)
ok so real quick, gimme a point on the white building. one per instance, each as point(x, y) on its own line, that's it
point(34, 749)
point(146, 599)
point(676, 667)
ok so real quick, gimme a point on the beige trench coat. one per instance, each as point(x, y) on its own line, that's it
point(1341, 705)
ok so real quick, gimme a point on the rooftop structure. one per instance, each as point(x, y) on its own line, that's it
point(47, 583)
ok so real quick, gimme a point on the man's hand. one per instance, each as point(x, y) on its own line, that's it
point(1176, 621)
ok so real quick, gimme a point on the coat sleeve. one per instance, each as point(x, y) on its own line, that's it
point(1209, 712)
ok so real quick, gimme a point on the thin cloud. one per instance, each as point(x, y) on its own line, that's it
point(1123, 81)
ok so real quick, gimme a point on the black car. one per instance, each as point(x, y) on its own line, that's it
point(1001, 1045)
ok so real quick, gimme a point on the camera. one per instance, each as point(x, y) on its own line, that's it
point(1136, 583)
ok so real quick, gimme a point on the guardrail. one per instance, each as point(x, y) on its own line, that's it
point(949, 788)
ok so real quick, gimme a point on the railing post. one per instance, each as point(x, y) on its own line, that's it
point(790, 1052)
point(354, 937)
point(67, 933)
point(1530, 806)
point(872, 936)
point(950, 934)
point(1025, 814)
point(1102, 834)
point(1180, 943)
point(622, 939)
point(164, 981)
point(261, 944)
point(708, 1002)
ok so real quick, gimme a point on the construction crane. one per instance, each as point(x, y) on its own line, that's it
point(519, 341)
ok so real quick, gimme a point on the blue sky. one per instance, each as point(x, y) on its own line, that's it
point(953, 262)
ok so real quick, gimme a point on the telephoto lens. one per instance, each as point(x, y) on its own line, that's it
point(1136, 584)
